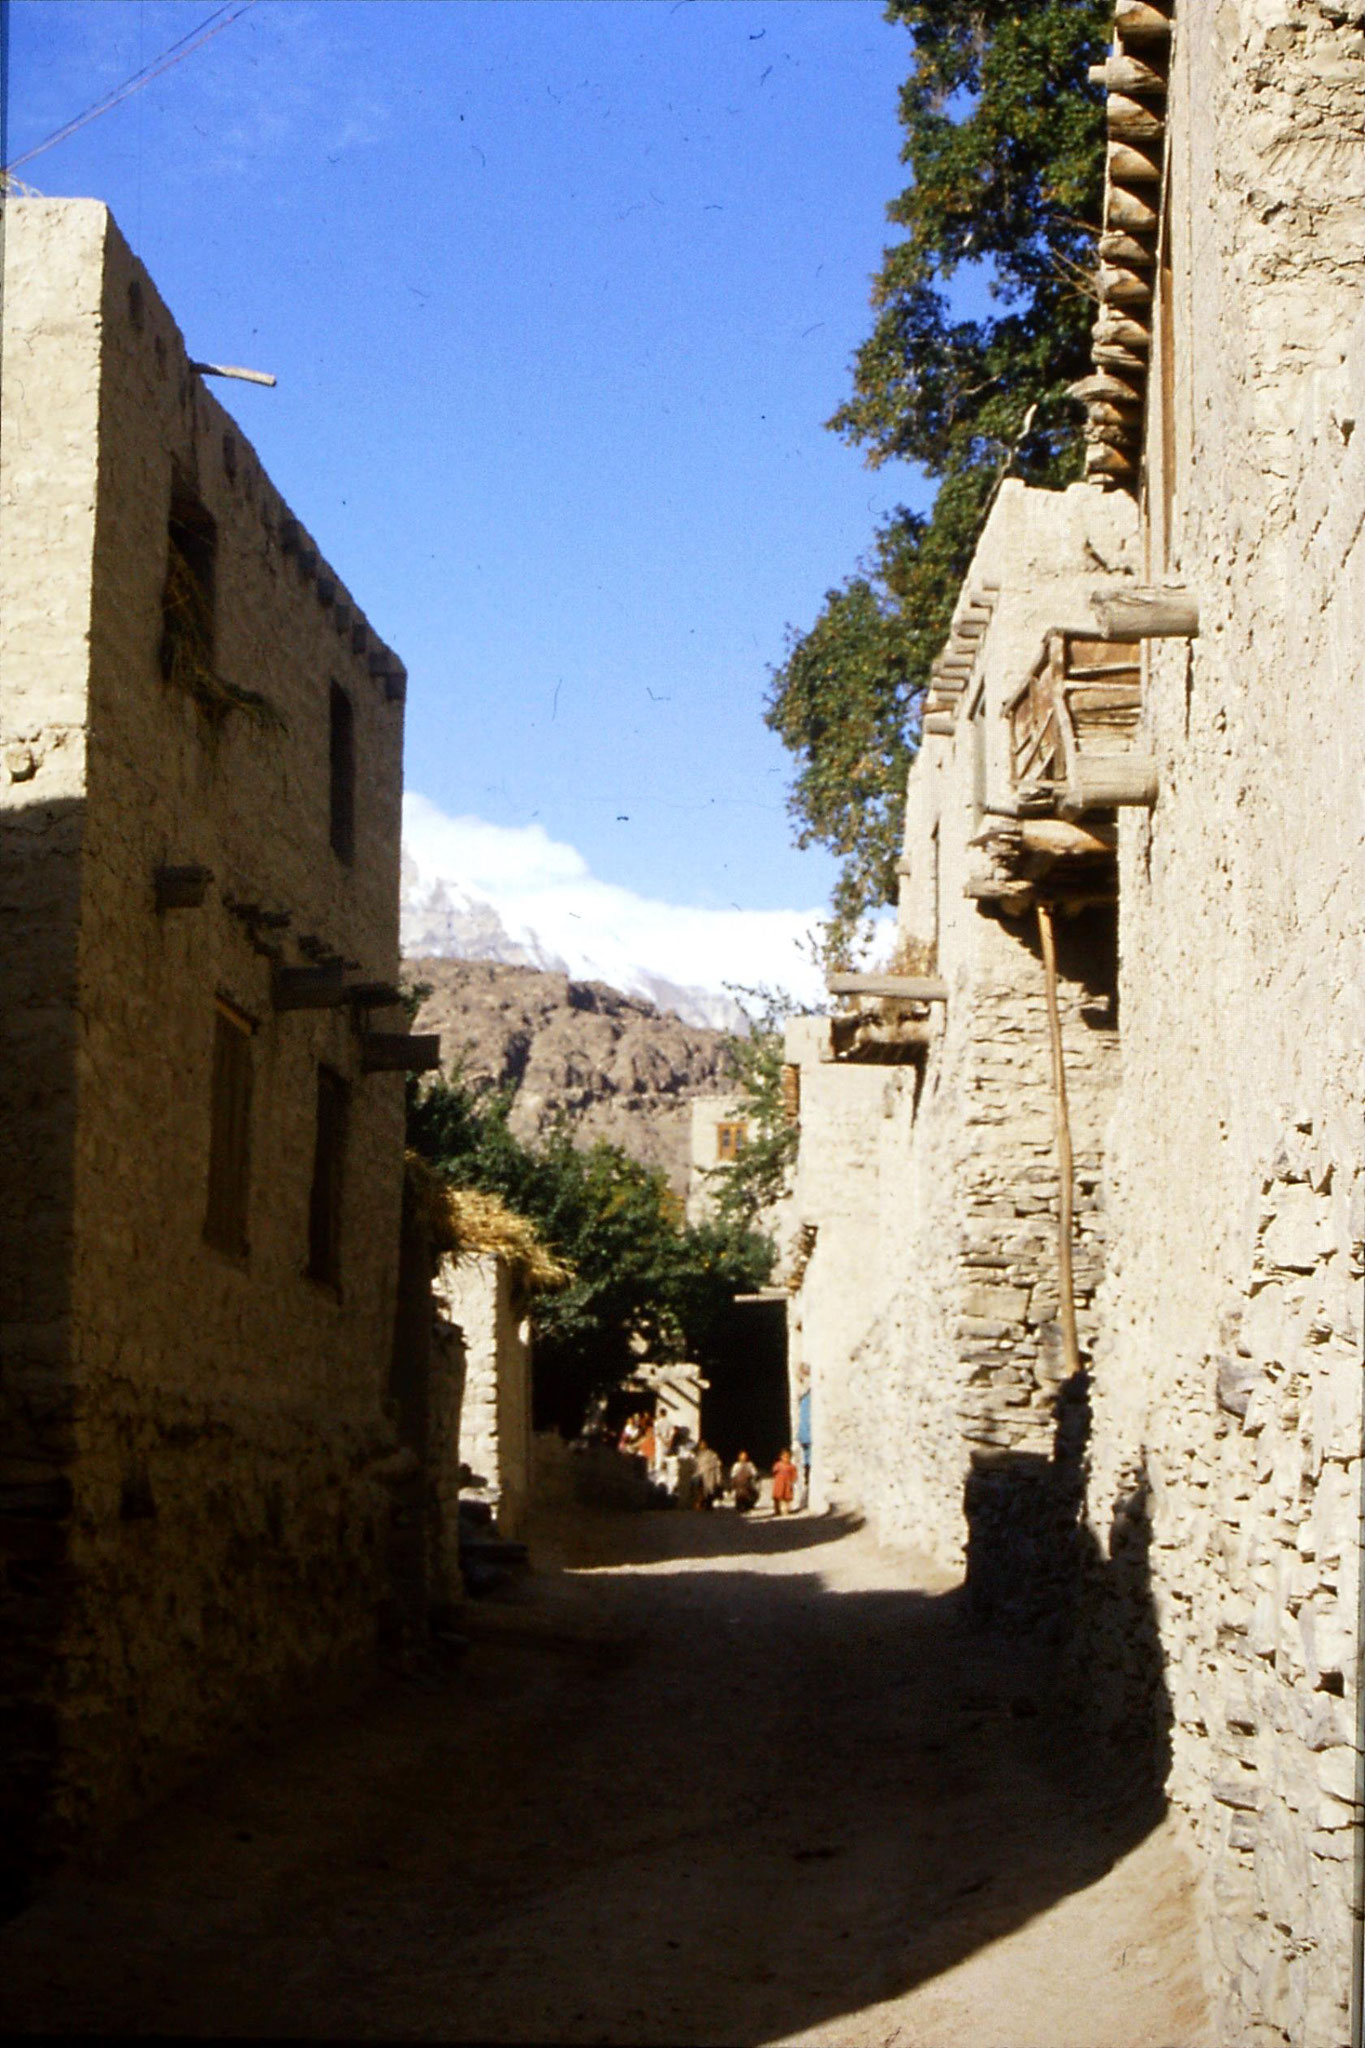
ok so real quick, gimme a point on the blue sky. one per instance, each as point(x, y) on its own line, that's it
point(558, 296)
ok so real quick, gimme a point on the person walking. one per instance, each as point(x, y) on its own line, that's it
point(744, 1483)
point(784, 1484)
point(710, 1476)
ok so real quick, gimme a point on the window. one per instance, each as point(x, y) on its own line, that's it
point(730, 1140)
point(324, 1203)
point(187, 602)
point(343, 774)
point(225, 1224)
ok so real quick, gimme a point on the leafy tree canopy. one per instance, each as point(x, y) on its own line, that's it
point(643, 1281)
point(1004, 137)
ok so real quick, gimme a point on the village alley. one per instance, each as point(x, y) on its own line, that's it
point(696, 1779)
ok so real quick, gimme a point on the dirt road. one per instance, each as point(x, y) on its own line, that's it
point(701, 1780)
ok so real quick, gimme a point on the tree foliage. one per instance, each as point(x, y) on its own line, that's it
point(749, 1190)
point(1004, 138)
point(643, 1281)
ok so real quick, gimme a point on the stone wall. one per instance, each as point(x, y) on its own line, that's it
point(927, 1310)
point(191, 1438)
point(1231, 1336)
point(479, 1295)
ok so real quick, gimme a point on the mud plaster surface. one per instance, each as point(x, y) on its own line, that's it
point(697, 1780)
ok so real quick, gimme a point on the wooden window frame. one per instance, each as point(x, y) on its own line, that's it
point(189, 602)
point(735, 1130)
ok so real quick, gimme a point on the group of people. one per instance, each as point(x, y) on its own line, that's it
point(638, 1436)
point(709, 1481)
point(696, 1473)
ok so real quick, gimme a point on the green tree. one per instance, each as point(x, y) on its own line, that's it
point(1004, 138)
point(747, 1191)
point(642, 1279)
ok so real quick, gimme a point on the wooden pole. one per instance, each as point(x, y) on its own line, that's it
point(1066, 1289)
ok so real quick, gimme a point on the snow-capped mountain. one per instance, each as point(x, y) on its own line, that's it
point(512, 894)
point(441, 920)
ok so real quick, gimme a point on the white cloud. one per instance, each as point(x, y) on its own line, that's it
point(552, 909)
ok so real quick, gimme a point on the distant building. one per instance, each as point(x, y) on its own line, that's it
point(201, 741)
point(720, 1132)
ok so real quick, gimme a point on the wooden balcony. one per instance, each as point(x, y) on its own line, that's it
point(1073, 729)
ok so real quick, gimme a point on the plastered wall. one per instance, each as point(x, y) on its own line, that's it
point(1231, 1316)
point(206, 1425)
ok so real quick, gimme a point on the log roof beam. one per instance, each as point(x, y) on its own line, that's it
point(1134, 77)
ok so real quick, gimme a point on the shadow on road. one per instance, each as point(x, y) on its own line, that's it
point(700, 1787)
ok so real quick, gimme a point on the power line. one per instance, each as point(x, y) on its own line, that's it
point(194, 39)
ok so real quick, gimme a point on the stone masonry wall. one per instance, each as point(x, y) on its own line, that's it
point(478, 1295)
point(211, 1429)
point(1231, 1349)
point(928, 1307)
point(931, 1294)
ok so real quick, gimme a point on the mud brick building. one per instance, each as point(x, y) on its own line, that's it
point(200, 1089)
point(1143, 753)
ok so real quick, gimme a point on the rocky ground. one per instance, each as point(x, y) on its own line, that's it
point(697, 1780)
point(617, 1066)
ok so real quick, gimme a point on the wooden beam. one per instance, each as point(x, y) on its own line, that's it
point(400, 1052)
point(1130, 121)
point(1111, 355)
point(1147, 614)
point(1124, 209)
point(1056, 836)
point(1011, 892)
point(1127, 75)
point(1123, 328)
point(879, 1041)
point(1138, 22)
point(1104, 412)
point(913, 988)
point(1128, 165)
point(1116, 247)
point(1123, 287)
point(1101, 460)
point(374, 995)
point(308, 988)
point(1101, 782)
point(1100, 386)
point(182, 888)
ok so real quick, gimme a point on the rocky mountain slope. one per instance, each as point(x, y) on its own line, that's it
point(442, 919)
point(620, 1068)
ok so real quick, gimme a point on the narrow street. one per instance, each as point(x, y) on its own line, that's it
point(697, 1780)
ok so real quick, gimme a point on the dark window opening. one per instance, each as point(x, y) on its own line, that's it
point(324, 1203)
point(187, 602)
point(225, 1224)
point(342, 754)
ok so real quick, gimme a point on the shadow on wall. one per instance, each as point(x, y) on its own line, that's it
point(40, 853)
point(1087, 958)
point(1033, 1564)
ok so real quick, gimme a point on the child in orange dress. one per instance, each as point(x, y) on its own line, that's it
point(784, 1484)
